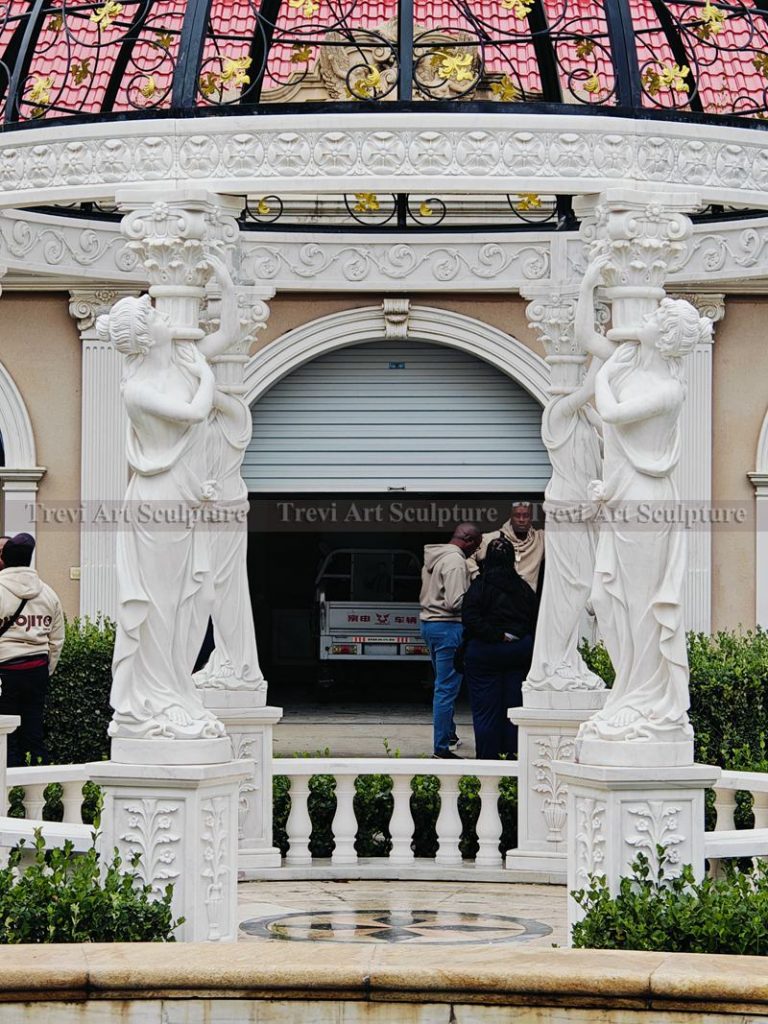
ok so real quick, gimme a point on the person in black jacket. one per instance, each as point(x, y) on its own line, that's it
point(499, 619)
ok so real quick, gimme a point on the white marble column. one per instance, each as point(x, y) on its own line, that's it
point(760, 483)
point(104, 469)
point(694, 472)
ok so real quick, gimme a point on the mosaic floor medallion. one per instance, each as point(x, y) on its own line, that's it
point(443, 927)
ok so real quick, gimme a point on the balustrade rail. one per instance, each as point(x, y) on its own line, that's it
point(401, 858)
point(727, 840)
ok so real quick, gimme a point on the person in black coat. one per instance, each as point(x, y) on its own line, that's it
point(499, 619)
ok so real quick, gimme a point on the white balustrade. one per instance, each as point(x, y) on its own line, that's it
point(728, 841)
point(401, 861)
point(35, 780)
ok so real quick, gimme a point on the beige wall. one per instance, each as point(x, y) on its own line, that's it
point(40, 348)
point(740, 399)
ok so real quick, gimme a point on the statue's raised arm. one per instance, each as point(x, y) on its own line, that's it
point(585, 335)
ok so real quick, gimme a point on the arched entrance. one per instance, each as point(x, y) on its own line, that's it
point(373, 446)
point(19, 472)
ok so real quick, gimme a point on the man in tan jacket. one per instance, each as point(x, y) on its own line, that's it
point(31, 639)
point(444, 581)
point(527, 542)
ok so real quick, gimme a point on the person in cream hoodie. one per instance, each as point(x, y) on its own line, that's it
point(31, 639)
point(444, 581)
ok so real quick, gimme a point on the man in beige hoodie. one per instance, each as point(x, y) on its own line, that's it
point(31, 639)
point(444, 581)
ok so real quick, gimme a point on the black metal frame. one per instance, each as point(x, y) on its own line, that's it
point(547, 36)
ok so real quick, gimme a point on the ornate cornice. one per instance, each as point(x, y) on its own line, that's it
point(88, 304)
point(420, 152)
point(712, 306)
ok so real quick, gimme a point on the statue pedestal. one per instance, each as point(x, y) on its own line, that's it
point(546, 734)
point(183, 821)
point(249, 726)
point(616, 813)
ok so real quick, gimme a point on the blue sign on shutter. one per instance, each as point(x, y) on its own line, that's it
point(397, 366)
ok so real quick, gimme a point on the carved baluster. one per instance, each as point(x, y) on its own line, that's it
point(34, 800)
point(299, 824)
point(488, 825)
point(725, 805)
point(344, 822)
point(449, 822)
point(401, 823)
point(72, 799)
point(760, 809)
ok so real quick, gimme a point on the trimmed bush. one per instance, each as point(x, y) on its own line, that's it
point(651, 912)
point(77, 711)
point(64, 897)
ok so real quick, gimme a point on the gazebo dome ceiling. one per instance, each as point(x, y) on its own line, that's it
point(681, 59)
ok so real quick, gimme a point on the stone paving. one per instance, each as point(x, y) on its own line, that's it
point(403, 913)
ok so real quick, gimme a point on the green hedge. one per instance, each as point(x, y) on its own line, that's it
point(678, 915)
point(77, 711)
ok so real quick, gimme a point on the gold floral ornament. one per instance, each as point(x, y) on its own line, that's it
point(365, 85)
point(40, 94)
point(670, 77)
point(425, 209)
point(234, 71)
point(301, 54)
point(263, 207)
point(209, 82)
point(367, 202)
point(55, 23)
point(149, 88)
point(104, 16)
point(528, 201)
point(164, 40)
point(453, 66)
point(711, 21)
point(307, 7)
point(592, 85)
point(80, 70)
point(584, 47)
point(520, 8)
point(505, 90)
point(760, 63)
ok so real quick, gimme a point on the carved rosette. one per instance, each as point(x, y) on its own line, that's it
point(215, 836)
point(590, 838)
point(153, 830)
point(554, 791)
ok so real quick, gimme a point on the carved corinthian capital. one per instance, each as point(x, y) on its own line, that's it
point(86, 305)
point(644, 235)
point(551, 313)
point(171, 234)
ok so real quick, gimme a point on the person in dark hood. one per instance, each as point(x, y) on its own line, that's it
point(31, 639)
point(499, 619)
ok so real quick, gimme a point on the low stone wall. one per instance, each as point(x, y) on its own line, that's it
point(282, 982)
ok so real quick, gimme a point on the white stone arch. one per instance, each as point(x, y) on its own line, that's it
point(760, 482)
point(368, 323)
point(20, 475)
point(15, 425)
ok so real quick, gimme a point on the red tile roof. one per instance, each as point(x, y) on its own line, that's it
point(75, 58)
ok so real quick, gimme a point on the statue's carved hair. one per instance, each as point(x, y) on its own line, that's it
point(126, 325)
point(681, 328)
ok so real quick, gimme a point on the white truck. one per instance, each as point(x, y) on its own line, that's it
point(367, 607)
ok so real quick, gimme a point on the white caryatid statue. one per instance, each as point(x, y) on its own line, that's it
point(165, 557)
point(641, 560)
point(234, 663)
point(569, 430)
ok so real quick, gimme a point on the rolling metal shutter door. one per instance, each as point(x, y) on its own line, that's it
point(396, 415)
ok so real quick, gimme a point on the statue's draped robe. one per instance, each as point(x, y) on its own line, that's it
point(574, 451)
point(639, 575)
point(164, 575)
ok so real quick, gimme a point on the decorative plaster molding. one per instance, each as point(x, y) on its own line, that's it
point(425, 151)
point(353, 326)
point(731, 256)
point(396, 313)
point(85, 306)
point(712, 306)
